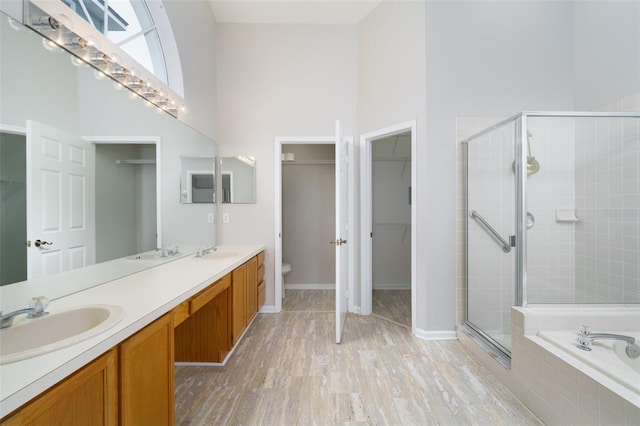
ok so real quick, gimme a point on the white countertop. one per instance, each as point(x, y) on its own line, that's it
point(144, 296)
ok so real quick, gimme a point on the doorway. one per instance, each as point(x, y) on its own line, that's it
point(308, 207)
point(13, 207)
point(343, 251)
point(125, 191)
point(388, 235)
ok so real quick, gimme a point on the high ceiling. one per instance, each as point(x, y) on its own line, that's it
point(292, 11)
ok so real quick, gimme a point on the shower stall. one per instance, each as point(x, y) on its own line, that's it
point(552, 216)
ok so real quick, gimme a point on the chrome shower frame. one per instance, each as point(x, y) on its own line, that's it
point(521, 121)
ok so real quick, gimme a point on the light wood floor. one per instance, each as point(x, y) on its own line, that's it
point(287, 370)
point(393, 305)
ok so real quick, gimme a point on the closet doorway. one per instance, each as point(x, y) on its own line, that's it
point(388, 188)
point(128, 196)
point(338, 240)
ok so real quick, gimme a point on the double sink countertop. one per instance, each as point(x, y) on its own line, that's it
point(144, 296)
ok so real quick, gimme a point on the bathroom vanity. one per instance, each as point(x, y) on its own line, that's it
point(194, 309)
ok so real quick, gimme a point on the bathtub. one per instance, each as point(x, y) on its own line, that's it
point(607, 356)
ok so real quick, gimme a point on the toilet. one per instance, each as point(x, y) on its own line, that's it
point(286, 268)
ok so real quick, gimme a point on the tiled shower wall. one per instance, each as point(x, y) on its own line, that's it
point(550, 195)
point(607, 200)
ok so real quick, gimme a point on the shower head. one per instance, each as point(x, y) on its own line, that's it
point(533, 166)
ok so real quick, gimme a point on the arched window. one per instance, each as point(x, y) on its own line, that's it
point(141, 29)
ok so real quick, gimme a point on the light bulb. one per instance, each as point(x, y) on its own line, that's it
point(51, 45)
point(14, 24)
point(78, 62)
point(99, 75)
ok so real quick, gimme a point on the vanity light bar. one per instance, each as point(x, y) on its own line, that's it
point(87, 52)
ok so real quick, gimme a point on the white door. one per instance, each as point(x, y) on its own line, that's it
point(60, 201)
point(341, 233)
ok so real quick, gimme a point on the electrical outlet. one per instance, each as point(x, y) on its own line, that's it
point(225, 217)
point(211, 218)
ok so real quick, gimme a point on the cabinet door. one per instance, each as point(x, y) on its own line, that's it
point(146, 375)
point(238, 302)
point(252, 288)
point(88, 397)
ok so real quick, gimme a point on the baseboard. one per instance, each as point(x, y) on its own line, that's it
point(356, 310)
point(268, 309)
point(325, 286)
point(436, 334)
point(392, 286)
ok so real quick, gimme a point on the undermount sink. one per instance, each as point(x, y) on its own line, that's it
point(32, 337)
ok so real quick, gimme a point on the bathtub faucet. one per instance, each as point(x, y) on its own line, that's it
point(586, 337)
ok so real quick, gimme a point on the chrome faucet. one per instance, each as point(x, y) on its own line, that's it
point(168, 252)
point(205, 251)
point(36, 309)
point(586, 337)
point(209, 249)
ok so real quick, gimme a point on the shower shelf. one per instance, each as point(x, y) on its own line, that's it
point(566, 215)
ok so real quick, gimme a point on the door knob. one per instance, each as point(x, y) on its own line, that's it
point(338, 242)
point(40, 243)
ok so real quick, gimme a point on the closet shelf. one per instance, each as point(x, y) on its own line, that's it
point(138, 161)
point(307, 162)
point(401, 226)
point(391, 158)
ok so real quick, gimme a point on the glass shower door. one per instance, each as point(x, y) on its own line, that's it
point(491, 255)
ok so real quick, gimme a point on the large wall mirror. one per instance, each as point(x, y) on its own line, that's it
point(132, 158)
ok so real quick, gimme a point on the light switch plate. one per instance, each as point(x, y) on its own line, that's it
point(225, 217)
point(211, 218)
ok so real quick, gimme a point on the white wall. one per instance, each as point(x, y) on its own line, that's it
point(607, 52)
point(392, 90)
point(194, 29)
point(278, 80)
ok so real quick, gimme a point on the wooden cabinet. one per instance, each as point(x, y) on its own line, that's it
point(146, 375)
point(252, 289)
point(204, 336)
point(260, 279)
point(133, 384)
point(88, 397)
point(238, 302)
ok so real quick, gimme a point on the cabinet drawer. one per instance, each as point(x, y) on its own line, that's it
point(207, 295)
point(260, 259)
point(260, 294)
point(260, 276)
point(180, 313)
